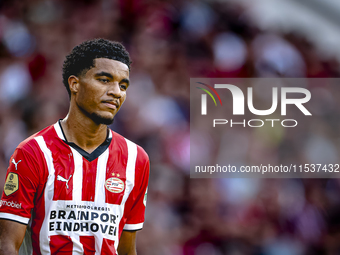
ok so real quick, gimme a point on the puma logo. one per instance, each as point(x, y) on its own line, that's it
point(60, 178)
point(16, 163)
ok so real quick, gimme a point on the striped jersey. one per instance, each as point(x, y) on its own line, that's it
point(75, 202)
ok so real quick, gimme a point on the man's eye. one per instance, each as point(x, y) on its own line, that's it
point(104, 80)
point(123, 87)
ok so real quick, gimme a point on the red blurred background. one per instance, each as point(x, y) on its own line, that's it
point(169, 42)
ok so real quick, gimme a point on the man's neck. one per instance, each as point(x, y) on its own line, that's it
point(84, 132)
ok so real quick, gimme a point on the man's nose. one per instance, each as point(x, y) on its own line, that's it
point(114, 90)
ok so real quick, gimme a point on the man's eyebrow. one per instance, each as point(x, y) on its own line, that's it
point(104, 74)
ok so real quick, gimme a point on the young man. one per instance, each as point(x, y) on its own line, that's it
point(77, 187)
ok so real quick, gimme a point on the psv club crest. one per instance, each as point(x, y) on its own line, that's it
point(114, 185)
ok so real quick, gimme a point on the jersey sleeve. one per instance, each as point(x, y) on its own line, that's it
point(22, 180)
point(137, 202)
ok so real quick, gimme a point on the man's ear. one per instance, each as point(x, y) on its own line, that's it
point(73, 83)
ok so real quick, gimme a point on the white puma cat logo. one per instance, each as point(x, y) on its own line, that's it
point(16, 163)
point(60, 178)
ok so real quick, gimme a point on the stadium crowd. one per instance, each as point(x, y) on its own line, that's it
point(169, 42)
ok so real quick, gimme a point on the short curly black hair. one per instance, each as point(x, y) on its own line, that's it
point(83, 55)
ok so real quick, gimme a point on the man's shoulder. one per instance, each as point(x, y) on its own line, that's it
point(141, 153)
point(30, 143)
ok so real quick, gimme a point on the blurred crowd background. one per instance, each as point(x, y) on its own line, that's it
point(169, 42)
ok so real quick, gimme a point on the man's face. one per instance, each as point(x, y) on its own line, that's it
point(102, 90)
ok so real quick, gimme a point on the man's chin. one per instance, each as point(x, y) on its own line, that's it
point(101, 119)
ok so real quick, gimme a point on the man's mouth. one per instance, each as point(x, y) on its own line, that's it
point(111, 104)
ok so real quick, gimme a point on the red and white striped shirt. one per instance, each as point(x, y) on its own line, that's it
point(75, 202)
